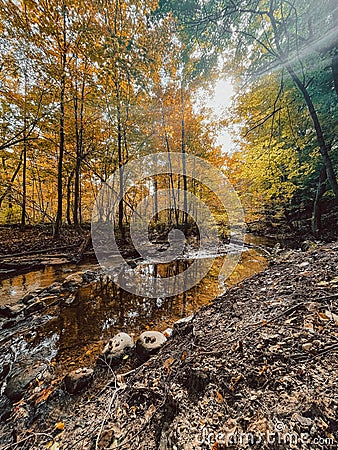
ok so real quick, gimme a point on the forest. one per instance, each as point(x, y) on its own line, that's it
point(88, 86)
point(168, 224)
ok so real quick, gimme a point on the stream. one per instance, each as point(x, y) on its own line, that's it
point(71, 333)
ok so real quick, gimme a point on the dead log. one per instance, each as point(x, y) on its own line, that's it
point(37, 252)
point(85, 243)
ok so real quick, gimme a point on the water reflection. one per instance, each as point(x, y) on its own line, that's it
point(102, 309)
point(14, 288)
point(71, 333)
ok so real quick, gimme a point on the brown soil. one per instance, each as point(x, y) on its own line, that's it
point(258, 365)
point(14, 240)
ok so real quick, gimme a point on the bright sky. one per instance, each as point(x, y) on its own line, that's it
point(219, 102)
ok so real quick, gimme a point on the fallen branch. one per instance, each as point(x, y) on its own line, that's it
point(32, 435)
point(37, 252)
point(82, 248)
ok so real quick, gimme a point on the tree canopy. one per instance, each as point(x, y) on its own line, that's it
point(87, 86)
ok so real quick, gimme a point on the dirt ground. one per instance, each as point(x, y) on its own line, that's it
point(14, 240)
point(255, 369)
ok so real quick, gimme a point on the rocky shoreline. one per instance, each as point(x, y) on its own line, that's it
point(258, 364)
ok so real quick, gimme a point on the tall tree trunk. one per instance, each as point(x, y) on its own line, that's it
point(155, 201)
point(171, 179)
point(24, 161)
point(24, 184)
point(77, 164)
point(9, 187)
point(185, 185)
point(120, 158)
point(80, 202)
point(69, 197)
point(323, 147)
point(10, 209)
point(317, 210)
point(78, 112)
point(58, 221)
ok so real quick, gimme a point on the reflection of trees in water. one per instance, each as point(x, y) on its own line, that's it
point(102, 309)
point(14, 288)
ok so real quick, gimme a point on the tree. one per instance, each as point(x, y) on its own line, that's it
point(84, 89)
point(271, 36)
point(275, 163)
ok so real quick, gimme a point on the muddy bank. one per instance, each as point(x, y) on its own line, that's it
point(296, 230)
point(258, 364)
point(35, 247)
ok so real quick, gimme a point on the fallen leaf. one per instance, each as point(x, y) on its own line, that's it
point(288, 321)
point(150, 412)
point(55, 446)
point(307, 346)
point(334, 280)
point(230, 426)
point(308, 325)
point(263, 369)
point(219, 397)
point(234, 381)
point(60, 426)
point(323, 316)
point(167, 363)
point(184, 355)
point(43, 395)
point(332, 316)
point(305, 421)
point(323, 283)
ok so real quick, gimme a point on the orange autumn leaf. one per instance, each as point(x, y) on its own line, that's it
point(60, 426)
point(219, 397)
point(43, 395)
point(234, 381)
point(263, 369)
point(167, 363)
point(323, 316)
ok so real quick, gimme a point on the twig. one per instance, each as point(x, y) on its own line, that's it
point(38, 252)
point(32, 435)
point(327, 297)
point(263, 324)
point(305, 359)
point(105, 417)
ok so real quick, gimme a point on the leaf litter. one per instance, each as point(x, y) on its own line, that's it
point(255, 369)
